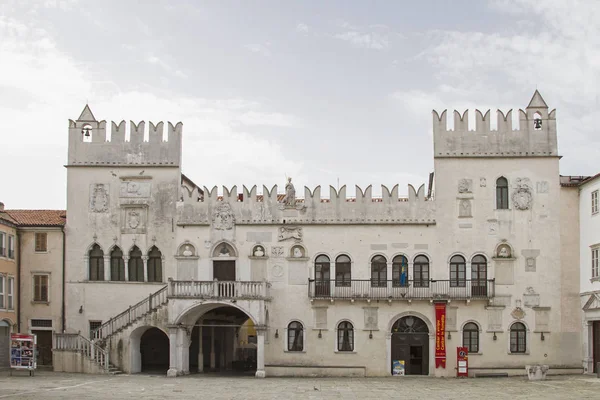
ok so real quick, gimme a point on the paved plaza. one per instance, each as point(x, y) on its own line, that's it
point(49, 385)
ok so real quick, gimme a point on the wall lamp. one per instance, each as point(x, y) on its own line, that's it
point(370, 334)
point(542, 336)
point(320, 334)
point(276, 333)
point(80, 309)
point(495, 337)
point(449, 336)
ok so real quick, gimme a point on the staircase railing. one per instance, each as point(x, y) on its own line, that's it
point(76, 343)
point(130, 315)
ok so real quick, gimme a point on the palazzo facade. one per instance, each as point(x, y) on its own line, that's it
point(163, 274)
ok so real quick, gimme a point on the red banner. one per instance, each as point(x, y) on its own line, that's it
point(440, 338)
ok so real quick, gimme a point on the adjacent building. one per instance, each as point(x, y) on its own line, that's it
point(163, 274)
point(8, 285)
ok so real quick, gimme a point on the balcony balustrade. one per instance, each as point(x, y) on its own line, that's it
point(437, 289)
point(245, 290)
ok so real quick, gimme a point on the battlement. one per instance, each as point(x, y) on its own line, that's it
point(535, 136)
point(270, 207)
point(89, 143)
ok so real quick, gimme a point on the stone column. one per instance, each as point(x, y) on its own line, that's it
point(145, 261)
point(468, 282)
point(86, 267)
point(212, 348)
point(183, 350)
point(126, 262)
point(222, 346)
point(173, 338)
point(107, 268)
point(235, 343)
point(332, 278)
point(200, 354)
point(260, 352)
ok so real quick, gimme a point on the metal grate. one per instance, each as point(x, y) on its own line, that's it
point(41, 323)
point(93, 326)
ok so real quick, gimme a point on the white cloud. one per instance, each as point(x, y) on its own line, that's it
point(259, 48)
point(302, 28)
point(368, 40)
point(270, 119)
point(168, 68)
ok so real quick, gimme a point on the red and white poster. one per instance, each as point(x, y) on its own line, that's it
point(23, 351)
point(440, 338)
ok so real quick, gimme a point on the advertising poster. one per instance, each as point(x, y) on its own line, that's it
point(22, 351)
point(440, 338)
point(398, 368)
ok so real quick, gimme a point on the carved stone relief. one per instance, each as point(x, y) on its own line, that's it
point(99, 198)
point(258, 251)
point(297, 252)
point(371, 322)
point(482, 182)
point(543, 186)
point(492, 227)
point(290, 232)
point(504, 251)
point(531, 298)
point(522, 196)
point(465, 185)
point(277, 271)
point(530, 259)
point(133, 219)
point(277, 251)
point(223, 217)
point(518, 312)
point(224, 250)
point(464, 208)
point(134, 189)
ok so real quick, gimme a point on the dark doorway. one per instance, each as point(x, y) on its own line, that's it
point(154, 348)
point(44, 347)
point(596, 344)
point(410, 343)
point(224, 270)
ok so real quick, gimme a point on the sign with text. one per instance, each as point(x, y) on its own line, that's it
point(462, 361)
point(440, 338)
point(22, 351)
point(398, 368)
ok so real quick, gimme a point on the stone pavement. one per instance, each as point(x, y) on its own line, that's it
point(50, 385)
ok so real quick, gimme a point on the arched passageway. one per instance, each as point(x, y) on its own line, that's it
point(224, 341)
point(410, 343)
point(154, 350)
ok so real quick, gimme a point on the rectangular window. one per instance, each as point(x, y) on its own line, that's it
point(11, 246)
point(595, 202)
point(40, 288)
point(41, 323)
point(2, 244)
point(41, 242)
point(10, 292)
point(93, 326)
point(595, 253)
point(2, 291)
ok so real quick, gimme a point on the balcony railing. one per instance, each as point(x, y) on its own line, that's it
point(249, 290)
point(410, 289)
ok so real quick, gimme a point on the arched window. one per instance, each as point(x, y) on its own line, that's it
point(518, 338)
point(421, 271)
point(501, 193)
point(295, 333)
point(378, 271)
point(537, 121)
point(96, 263)
point(343, 273)
point(400, 271)
point(136, 265)
point(471, 337)
point(322, 275)
point(154, 265)
point(458, 270)
point(345, 332)
point(479, 276)
point(117, 265)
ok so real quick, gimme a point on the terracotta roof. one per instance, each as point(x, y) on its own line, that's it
point(7, 218)
point(38, 217)
point(573, 181)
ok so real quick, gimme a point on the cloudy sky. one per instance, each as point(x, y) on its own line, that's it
point(320, 91)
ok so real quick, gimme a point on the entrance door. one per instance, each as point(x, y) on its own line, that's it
point(44, 347)
point(224, 270)
point(410, 343)
point(596, 344)
point(479, 276)
point(322, 276)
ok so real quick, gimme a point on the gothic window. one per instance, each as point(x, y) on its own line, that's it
point(345, 333)
point(96, 263)
point(421, 271)
point(343, 273)
point(378, 271)
point(479, 276)
point(501, 193)
point(518, 338)
point(295, 335)
point(400, 271)
point(322, 275)
point(458, 270)
point(471, 337)
point(154, 265)
point(117, 265)
point(136, 265)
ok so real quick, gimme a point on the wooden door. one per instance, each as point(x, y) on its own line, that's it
point(322, 280)
point(596, 344)
point(224, 270)
point(44, 347)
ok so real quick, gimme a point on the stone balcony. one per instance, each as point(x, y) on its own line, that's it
point(432, 289)
point(225, 290)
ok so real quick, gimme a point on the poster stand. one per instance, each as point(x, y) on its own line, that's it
point(23, 352)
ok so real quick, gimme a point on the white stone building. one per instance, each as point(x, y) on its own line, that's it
point(164, 274)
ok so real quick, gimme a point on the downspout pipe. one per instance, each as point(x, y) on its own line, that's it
point(62, 311)
point(19, 277)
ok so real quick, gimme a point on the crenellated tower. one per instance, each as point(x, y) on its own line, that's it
point(535, 136)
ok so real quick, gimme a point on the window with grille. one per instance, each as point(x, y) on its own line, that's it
point(11, 246)
point(11, 293)
point(595, 202)
point(595, 254)
point(41, 242)
point(93, 326)
point(41, 323)
point(471, 337)
point(518, 338)
point(2, 244)
point(40, 288)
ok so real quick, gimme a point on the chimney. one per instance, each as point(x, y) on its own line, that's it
point(1, 206)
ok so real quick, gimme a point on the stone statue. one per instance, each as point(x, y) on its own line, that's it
point(259, 252)
point(224, 252)
point(187, 252)
point(297, 252)
point(290, 194)
point(504, 252)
